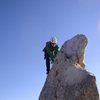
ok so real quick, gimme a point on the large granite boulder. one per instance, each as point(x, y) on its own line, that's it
point(68, 80)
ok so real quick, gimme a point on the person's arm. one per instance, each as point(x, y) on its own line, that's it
point(56, 50)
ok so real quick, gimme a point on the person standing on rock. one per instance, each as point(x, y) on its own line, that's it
point(50, 52)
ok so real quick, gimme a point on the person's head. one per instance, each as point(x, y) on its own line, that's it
point(53, 41)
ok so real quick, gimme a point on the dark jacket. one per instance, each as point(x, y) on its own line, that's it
point(50, 50)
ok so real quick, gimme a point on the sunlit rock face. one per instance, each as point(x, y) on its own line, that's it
point(74, 49)
point(68, 80)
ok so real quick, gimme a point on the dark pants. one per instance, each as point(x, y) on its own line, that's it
point(47, 58)
point(47, 64)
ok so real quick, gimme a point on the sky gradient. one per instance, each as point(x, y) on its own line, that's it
point(25, 26)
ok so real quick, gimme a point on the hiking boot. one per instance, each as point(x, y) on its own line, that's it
point(47, 73)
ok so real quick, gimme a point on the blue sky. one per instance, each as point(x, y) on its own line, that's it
point(25, 26)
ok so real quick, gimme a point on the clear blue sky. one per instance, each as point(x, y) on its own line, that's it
point(25, 26)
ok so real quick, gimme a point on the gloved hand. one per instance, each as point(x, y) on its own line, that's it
point(52, 62)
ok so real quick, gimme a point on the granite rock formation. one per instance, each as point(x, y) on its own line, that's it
point(68, 79)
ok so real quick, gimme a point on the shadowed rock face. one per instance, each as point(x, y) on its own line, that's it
point(68, 80)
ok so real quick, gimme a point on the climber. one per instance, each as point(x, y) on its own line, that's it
point(50, 52)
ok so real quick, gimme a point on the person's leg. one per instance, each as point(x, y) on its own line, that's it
point(47, 64)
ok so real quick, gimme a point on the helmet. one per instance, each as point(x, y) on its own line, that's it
point(53, 40)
